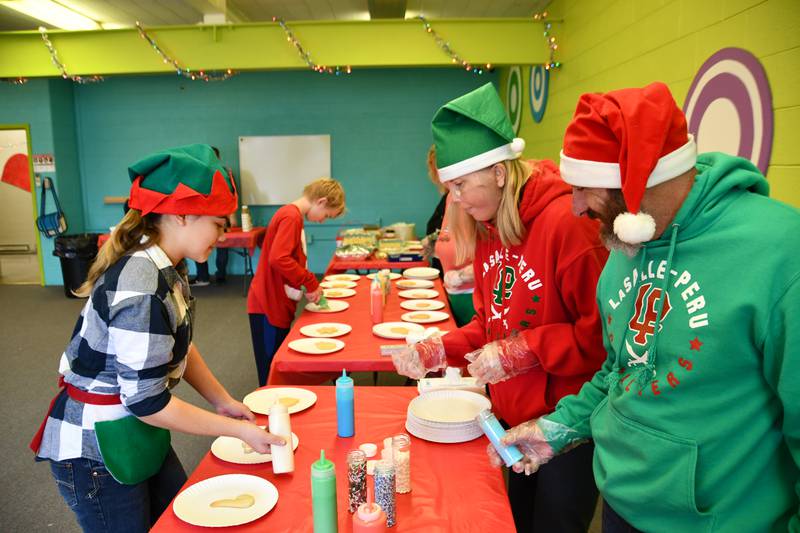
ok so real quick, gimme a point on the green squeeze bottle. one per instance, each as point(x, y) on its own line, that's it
point(323, 495)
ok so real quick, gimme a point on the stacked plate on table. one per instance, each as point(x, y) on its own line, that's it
point(446, 416)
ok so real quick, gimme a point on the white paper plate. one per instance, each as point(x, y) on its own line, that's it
point(418, 294)
point(316, 346)
point(424, 317)
point(193, 505)
point(392, 276)
point(384, 329)
point(342, 277)
point(422, 305)
point(443, 437)
point(338, 284)
point(414, 284)
point(261, 400)
point(334, 306)
point(338, 293)
point(421, 273)
point(232, 450)
point(326, 329)
point(449, 406)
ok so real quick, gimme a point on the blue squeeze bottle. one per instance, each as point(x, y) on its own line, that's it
point(344, 406)
point(492, 429)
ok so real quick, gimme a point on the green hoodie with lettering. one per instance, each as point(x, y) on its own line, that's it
point(696, 412)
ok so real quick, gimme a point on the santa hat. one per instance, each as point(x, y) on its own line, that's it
point(188, 180)
point(473, 132)
point(629, 139)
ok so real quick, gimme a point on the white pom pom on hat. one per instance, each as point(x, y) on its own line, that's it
point(635, 228)
point(518, 145)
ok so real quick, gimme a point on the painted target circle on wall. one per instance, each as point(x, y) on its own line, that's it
point(514, 97)
point(539, 86)
point(729, 107)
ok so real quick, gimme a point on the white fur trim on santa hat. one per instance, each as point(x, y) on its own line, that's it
point(597, 174)
point(635, 228)
point(511, 150)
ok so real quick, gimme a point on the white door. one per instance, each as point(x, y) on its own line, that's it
point(19, 262)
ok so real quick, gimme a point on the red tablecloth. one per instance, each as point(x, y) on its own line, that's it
point(102, 238)
point(342, 265)
point(453, 487)
point(362, 347)
point(236, 238)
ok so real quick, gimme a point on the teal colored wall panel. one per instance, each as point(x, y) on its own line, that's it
point(30, 104)
point(62, 109)
point(378, 120)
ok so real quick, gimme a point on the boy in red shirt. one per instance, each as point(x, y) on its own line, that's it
point(282, 270)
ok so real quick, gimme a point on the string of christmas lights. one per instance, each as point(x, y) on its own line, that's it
point(15, 81)
point(454, 57)
point(60, 66)
point(550, 39)
point(179, 70)
point(306, 57)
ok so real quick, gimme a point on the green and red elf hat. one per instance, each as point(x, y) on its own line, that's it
point(188, 180)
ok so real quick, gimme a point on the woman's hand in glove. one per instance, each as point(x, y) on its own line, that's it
point(500, 360)
point(416, 360)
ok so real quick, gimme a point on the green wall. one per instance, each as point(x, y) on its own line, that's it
point(378, 120)
point(606, 45)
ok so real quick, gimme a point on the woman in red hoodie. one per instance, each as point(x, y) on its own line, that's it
point(536, 268)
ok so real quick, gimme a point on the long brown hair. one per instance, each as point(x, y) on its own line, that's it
point(508, 222)
point(126, 238)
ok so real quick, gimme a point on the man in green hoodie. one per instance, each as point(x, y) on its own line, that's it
point(695, 414)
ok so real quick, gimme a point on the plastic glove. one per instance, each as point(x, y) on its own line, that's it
point(453, 279)
point(314, 296)
point(416, 360)
point(539, 440)
point(501, 359)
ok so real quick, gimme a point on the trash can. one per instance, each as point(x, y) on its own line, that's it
point(76, 253)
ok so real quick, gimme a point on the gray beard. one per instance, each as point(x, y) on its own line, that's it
point(612, 242)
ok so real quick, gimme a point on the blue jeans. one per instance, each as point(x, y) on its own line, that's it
point(100, 503)
point(266, 341)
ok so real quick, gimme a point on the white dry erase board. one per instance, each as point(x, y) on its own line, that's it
point(274, 169)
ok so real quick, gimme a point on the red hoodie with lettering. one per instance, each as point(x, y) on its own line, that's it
point(282, 262)
point(543, 289)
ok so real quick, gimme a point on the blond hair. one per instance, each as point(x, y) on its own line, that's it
point(509, 225)
point(433, 172)
point(126, 238)
point(327, 188)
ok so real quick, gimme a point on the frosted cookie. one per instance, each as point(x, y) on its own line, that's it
point(421, 316)
point(242, 501)
point(327, 330)
point(325, 345)
point(399, 330)
point(288, 401)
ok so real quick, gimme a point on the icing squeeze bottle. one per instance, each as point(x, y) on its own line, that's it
point(323, 495)
point(376, 301)
point(345, 424)
point(279, 424)
point(369, 518)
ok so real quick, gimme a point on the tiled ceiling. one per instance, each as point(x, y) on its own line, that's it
point(174, 12)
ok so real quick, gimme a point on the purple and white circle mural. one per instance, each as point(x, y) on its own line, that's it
point(729, 107)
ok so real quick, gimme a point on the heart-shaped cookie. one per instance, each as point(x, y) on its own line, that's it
point(242, 501)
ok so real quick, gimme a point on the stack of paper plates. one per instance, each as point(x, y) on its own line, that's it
point(446, 416)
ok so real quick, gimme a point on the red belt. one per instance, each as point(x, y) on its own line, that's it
point(77, 395)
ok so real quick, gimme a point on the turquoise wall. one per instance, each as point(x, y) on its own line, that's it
point(378, 120)
point(47, 106)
